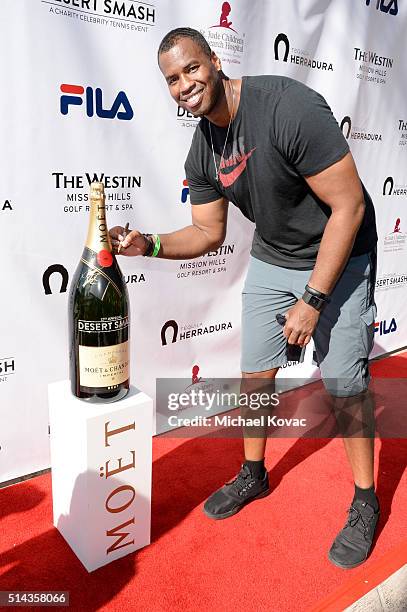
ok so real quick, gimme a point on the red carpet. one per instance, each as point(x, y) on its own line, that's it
point(270, 556)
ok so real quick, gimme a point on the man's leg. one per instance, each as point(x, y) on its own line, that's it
point(266, 293)
point(343, 340)
point(353, 543)
point(252, 481)
point(356, 423)
point(254, 448)
point(360, 453)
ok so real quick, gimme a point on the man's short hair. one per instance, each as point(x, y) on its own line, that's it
point(170, 40)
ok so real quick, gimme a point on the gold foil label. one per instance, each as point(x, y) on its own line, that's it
point(103, 366)
point(98, 239)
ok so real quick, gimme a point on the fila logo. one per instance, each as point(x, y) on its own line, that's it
point(184, 191)
point(73, 96)
point(389, 7)
point(383, 328)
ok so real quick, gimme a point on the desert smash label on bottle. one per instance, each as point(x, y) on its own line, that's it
point(103, 366)
point(112, 324)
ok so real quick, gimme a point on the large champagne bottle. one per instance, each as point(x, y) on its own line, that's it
point(99, 315)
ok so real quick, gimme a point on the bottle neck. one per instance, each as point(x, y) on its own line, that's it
point(98, 238)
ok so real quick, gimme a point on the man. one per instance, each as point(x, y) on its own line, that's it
point(271, 146)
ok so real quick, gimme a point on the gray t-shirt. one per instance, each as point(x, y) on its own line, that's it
point(282, 132)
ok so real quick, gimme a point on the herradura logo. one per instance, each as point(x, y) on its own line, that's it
point(392, 189)
point(301, 57)
point(358, 133)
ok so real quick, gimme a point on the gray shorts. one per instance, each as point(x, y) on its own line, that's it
point(343, 337)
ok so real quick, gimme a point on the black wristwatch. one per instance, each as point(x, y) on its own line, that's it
point(315, 298)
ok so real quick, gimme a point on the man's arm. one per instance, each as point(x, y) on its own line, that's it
point(339, 187)
point(207, 232)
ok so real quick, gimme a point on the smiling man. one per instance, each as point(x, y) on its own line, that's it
point(271, 146)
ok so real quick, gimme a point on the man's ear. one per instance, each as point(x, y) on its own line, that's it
point(216, 61)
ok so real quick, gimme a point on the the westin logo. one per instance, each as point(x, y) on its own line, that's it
point(75, 95)
point(389, 6)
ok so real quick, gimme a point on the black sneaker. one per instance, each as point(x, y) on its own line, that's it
point(352, 545)
point(235, 494)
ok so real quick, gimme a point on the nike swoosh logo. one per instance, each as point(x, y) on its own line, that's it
point(228, 179)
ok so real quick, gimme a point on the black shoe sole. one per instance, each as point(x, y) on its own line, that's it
point(225, 515)
point(342, 565)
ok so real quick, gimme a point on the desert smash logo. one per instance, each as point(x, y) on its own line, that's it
point(7, 367)
point(283, 51)
point(392, 280)
point(124, 14)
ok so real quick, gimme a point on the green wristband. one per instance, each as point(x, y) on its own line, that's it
point(157, 245)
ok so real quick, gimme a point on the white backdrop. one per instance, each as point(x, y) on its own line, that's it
point(352, 51)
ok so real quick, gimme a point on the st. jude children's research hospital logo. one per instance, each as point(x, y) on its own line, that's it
point(395, 240)
point(76, 95)
point(225, 37)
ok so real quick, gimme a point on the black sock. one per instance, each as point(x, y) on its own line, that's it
point(367, 495)
point(256, 468)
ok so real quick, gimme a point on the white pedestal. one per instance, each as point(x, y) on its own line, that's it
point(101, 473)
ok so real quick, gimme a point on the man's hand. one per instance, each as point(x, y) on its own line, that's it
point(134, 243)
point(301, 322)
